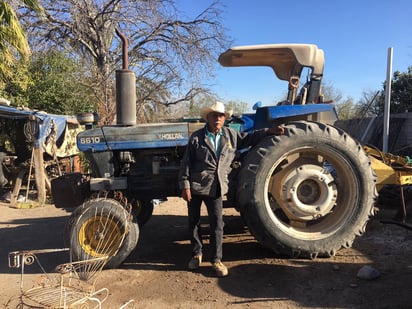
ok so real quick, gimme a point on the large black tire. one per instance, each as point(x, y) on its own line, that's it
point(74, 216)
point(307, 193)
point(102, 227)
point(143, 210)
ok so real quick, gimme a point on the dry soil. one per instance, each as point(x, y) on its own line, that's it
point(155, 274)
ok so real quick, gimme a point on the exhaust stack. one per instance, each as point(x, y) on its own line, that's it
point(125, 89)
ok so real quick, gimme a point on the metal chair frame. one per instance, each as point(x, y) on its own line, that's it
point(72, 284)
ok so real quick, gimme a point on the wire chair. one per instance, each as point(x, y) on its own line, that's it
point(72, 284)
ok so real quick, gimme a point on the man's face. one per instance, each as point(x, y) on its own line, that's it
point(216, 121)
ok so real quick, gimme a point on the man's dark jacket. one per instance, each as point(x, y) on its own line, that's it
point(202, 171)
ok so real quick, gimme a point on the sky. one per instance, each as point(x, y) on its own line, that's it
point(355, 35)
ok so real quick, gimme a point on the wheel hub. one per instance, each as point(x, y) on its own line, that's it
point(100, 236)
point(309, 192)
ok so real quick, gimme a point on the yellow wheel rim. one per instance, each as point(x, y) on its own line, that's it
point(100, 236)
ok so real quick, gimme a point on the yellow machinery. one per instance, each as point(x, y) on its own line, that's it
point(391, 170)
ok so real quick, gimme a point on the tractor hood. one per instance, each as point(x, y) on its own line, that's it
point(285, 59)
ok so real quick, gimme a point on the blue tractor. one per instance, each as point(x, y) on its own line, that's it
point(306, 193)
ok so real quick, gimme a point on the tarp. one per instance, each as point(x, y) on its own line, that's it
point(48, 128)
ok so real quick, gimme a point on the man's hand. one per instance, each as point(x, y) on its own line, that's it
point(279, 130)
point(186, 195)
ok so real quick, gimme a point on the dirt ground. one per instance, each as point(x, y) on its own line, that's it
point(155, 274)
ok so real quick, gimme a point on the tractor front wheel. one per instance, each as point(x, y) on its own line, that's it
point(102, 227)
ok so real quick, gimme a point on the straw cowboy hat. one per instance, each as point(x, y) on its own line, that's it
point(216, 107)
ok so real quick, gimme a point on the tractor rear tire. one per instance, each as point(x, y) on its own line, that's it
point(102, 220)
point(307, 193)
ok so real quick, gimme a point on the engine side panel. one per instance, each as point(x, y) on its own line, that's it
point(144, 136)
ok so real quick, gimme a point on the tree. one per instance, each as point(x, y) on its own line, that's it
point(369, 104)
point(59, 85)
point(13, 40)
point(331, 93)
point(345, 109)
point(13, 85)
point(167, 51)
point(401, 94)
point(237, 107)
point(373, 103)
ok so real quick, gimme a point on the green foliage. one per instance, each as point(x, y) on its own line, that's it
point(401, 94)
point(373, 103)
point(59, 85)
point(14, 86)
point(13, 40)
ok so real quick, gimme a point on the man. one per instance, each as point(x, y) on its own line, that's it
point(204, 174)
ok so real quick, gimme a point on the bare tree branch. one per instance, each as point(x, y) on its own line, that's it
point(171, 54)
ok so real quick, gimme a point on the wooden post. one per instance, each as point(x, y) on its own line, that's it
point(39, 175)
point(16, 188)
point(38, 163)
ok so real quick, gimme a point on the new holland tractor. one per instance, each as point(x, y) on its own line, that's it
point(306, 193)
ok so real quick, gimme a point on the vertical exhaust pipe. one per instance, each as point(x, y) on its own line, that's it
point(125, 89)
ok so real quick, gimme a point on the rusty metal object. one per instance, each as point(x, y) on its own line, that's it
point(125, 46)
